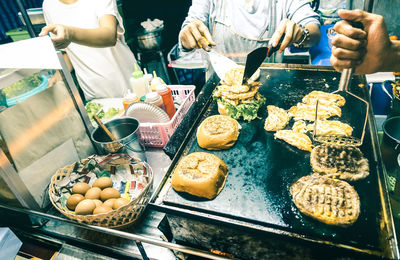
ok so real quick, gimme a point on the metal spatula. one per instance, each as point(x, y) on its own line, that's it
point(255, 58)
point(221, 63)
point(342, 139)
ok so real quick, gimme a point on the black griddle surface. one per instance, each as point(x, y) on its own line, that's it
point(262, 169)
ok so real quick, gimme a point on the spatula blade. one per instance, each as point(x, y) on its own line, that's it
point(253, 62)
point(221, 63)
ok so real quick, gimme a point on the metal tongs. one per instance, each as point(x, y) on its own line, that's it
point(342, 139)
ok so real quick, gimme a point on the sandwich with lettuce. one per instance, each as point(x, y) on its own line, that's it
point(236, 100)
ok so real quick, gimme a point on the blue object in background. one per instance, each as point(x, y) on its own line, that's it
point(321, 53)
point(381, 97)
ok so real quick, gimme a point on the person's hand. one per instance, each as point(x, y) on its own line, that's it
point(196, 35)
point(293, 33)
point(60, 35)
point(366, 49)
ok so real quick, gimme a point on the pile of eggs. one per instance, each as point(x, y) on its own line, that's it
point(100, 198)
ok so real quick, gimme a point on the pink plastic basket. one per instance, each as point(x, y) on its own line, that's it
point(158, 134)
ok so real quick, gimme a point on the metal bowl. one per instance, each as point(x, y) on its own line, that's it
point(125, 130)
point(148, 41)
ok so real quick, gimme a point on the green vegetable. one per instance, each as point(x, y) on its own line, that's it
point(111, 112)
point(22, 86)
point(246, 110)
point(93, 108)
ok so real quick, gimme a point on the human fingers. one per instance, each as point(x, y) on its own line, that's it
point(61, 37)
point(187, 39)
point(354, 15)
point(278, 33)
point(289, 35)
point(345, 54)
point(345, 28)
point(340, 64)
point(342, 41)
point(202, 28)
point(201, 41)
point(46, 30)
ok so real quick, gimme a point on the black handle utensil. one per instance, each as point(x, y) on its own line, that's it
point(256, 57)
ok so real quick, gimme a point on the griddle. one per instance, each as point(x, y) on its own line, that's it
point(262, 169)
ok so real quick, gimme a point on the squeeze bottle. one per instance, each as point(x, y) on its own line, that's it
point(155, 99)
point(138, 83)
point(155, 82)
point(165, 92)
point(129, 98)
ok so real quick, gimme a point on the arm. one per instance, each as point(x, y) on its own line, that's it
point(103, 36)
point(368, 50)
point(195, 32)
point(294, 34)
point(297, 12)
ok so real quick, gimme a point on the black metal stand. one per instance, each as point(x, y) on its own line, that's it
point(25, 16)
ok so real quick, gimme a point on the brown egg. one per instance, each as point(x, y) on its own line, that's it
point(120, 202)
point(80, 188)
point(103, 182)
point(98, 203)
point(102, 209)
point(85, 207)
point(73, 200)
point(109, 203)
point(109, 193)
point(93, 193)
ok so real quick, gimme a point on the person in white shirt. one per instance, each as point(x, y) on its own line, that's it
point(92, 34)
point(237, 27)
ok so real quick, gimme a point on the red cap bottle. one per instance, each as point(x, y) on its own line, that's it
point(165, 92)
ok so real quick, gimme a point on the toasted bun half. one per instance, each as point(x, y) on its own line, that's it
point(217, 132)
point(200, 174)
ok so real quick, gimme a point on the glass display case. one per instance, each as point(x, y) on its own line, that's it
point(44, 127)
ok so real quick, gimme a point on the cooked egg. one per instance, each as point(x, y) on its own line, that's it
point(120, 202)
point(109, 202)
point(80, 188)
point(109, 193)
point(73, 200)
point(85, 207)
point(93, 193)
point(103, 182)
point(102, 209)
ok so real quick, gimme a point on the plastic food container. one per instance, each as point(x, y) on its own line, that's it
point(14, 100)
point(158, 134)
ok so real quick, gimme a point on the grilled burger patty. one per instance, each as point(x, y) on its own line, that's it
point(343, 162)
point(328, 200)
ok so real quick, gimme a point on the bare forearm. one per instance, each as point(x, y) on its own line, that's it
point(315, 34)
point(99, 37)
point(392, 60)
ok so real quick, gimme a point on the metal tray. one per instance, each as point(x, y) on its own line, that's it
point(261, 170)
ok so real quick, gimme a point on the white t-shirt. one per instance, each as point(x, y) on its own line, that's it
point(101, 72)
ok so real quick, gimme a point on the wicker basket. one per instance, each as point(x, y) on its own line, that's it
point(118, 218)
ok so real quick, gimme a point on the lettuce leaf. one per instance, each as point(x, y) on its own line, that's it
point(246, 110)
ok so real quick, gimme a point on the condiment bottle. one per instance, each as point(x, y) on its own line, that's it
point(156, 81)
point(155, 99)
point(148, 78)
point(129, 98)
point(165, 92)
point(139, 84)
